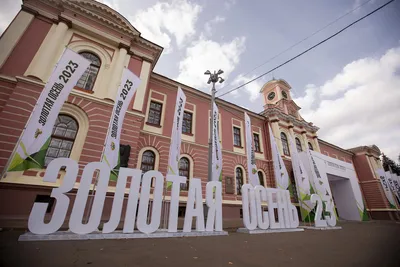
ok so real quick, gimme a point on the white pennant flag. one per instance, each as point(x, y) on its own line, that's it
point(385, 186)
point(127, 88)
point(303, 184)
point(31, 150)
point(216, 147)
point(251, 159)
point(175, 148)
point(281, 174)
point(396, 182)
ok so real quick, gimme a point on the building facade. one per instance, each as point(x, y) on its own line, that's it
point(31, 46)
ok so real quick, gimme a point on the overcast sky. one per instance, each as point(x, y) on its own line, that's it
point(348, 86)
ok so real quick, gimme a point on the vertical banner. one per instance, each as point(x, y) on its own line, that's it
point(175, 148)
point(127, 88)
point(32, 147)
point(319, 181)
point(392, 187)
point(281, 174)
point(251, 159)
point(303, 185)
point(385, 186)
point(216, 147)
point(396, 185)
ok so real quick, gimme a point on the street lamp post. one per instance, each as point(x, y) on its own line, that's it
point(214, 78)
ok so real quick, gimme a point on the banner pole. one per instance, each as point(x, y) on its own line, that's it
point(91, 199)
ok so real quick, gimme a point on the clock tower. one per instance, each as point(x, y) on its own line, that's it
point(276, 94)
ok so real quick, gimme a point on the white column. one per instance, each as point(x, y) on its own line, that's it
point(141, 91)
point(116, 73)
point(277, 135)
point(14, 32)
point(315, 138)
point(305, 140)
point(42, 64)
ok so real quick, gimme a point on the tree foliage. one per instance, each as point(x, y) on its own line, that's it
point(390, 164)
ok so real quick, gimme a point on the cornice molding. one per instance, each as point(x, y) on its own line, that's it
point(79, 5)
point(368, 150)
point(174, 84)
point(289, 118)
point(320, 141)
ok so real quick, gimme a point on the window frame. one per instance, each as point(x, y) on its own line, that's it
point(191, 122)
point(91, 65)
point(154, 160)
point(238, 189)
point(62, 138)
point(262, 178)
point(298, 144)
point(257, 145)
point(152, 109)
point(185, 170)
point(237, 135)
point(285, 144)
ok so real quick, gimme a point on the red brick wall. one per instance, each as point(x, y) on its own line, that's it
point(330, 151)
point(362, 167)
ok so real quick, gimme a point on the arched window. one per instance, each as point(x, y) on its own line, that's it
point(184, 170)
point(148, 160)
point(261, 178)
point(62, 138)
point(88, 78)
point(239, 180)
point(298, 145)
point(310, 146)
point(285, 144)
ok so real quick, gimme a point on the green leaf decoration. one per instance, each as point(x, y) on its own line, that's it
point(364, 216)
point(34, 161)
point(312, 190)
point(169, 184)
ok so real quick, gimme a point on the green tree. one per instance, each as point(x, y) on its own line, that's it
point(390, 164)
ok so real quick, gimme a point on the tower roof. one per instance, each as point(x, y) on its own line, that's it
point(274, 82)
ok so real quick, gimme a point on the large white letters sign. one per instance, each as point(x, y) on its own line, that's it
point(278, 200)
point(324, 217)
point(194, 208)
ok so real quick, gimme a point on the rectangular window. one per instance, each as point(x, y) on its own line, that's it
point(256, 142)
point(236, 137)
point(187, 122)
point(155, 113)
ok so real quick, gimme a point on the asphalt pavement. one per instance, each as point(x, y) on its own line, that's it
point(375, 243)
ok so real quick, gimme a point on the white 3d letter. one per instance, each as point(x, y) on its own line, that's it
point(262, 216)
point(118, 200)
point(271, 207)
point(318, 212)
point(194, 198)
point(75, 222)
point(214, 214)
point(174, 204)
point(293, 215)
point(36, 219)
point(130, 213)
point(249, 207)
point(283, 209)
point(144, 202)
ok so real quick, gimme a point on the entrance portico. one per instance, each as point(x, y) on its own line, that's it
point(341, 183)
